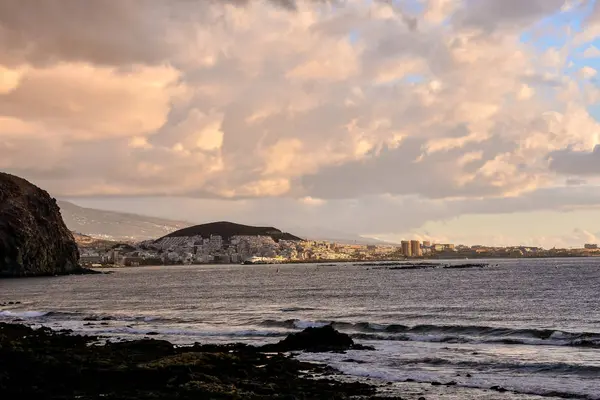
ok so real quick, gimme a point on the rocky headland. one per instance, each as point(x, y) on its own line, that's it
point(34, 240)
point(44, 363)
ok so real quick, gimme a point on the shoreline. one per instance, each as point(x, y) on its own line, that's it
point(477, 350)
point(366, 263)
point(60, 365)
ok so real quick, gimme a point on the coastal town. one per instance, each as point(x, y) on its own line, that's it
point(259, 249)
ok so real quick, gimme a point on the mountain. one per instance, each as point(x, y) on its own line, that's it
point(117, 226)
point(34, 240)
point(84, 241)
point(228, 229)
point(331, 235)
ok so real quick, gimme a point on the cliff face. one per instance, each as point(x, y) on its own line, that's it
point(34, 240)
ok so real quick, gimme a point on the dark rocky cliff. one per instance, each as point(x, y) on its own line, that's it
point(34, 240)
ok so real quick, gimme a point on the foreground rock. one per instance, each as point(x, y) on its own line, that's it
point(47, 364)
point(33, 237)
point(321, 339)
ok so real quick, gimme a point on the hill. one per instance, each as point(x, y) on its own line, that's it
point(331, 235)
point(33, 237)
point(120, 226)
point(115, 226)
point(228, 229)
point(84, 241)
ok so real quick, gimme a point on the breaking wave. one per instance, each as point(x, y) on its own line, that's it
point(450, 333)
point(559, 367)
point(22, 314)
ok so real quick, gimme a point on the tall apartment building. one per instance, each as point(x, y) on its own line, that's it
point(406, 248)
point(415, 248)
point(443, 247)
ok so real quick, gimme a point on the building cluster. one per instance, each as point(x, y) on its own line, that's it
point(239, 249)
point(415, 248)
point(479, 251)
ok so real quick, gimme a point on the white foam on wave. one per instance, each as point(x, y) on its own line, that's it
point(22, 314)
point(367, 371)
point(391, 362)
point(554, 340)
point(300, 324)
point(180, 332)
point(367, 365)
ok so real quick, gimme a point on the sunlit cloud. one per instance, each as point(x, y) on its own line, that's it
point(301, 101)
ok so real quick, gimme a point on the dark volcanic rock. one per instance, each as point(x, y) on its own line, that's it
point(316, 340)
point(228, 229)
point(45, 364)
point(33, 237)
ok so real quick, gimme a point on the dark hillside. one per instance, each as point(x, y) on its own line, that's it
point(228, 229)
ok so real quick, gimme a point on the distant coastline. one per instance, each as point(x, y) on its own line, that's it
point(382, 262)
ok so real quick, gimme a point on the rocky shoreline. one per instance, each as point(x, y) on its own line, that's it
point(42, 363)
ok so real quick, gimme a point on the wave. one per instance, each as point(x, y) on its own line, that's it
point(559, 367)
point(22, 314)
point(450, 333)
point(77, 316)
point(182, 332)
point(426, 378)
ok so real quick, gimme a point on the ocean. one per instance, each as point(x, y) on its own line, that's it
point(531, 327)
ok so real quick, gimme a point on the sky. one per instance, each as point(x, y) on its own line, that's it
point(464, 121)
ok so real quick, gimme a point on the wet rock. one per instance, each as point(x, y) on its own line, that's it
point(34, 239)
point(323, 339)
point(145, 345)
point(47, 364)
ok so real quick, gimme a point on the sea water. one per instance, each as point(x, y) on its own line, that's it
point(529, 326)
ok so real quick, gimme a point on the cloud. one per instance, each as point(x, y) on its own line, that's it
point(312, 102)
point(85, 101)
point(588, 72)
point(507, 14)
point(591, 52)
point(105, 32)
point(579, 163)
